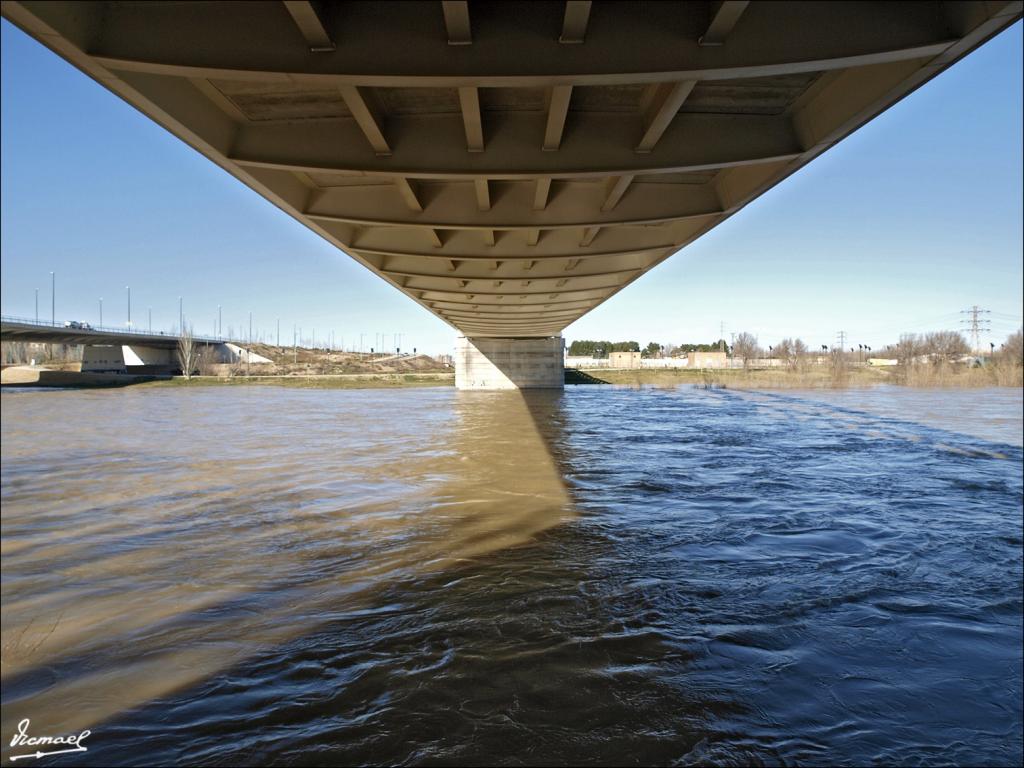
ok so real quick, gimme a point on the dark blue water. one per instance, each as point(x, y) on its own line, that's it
point(605, 576)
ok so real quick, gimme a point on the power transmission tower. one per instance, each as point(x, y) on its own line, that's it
point(841, 339)
point(721, 336)
point(976, 324)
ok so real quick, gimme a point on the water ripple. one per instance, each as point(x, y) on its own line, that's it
point(604, 576)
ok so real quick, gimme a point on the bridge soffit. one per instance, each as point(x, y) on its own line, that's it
point(510, 166)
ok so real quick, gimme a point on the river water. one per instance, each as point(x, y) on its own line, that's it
point(611, 576)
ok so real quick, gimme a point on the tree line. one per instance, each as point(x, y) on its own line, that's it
point(591, 348)
point(588, 348)
point(938, 347)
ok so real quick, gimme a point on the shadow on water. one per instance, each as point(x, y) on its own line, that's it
point(601, 576)
point(105, 611)
point(485, 651)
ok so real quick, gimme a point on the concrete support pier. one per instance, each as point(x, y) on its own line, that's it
point(494, 363)
point(103, 359)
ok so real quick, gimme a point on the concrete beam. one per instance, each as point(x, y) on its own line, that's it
point(469, 100)
point(558, 109)
point(460, 206)
point(406, 209)
point(366, 117)
point(456, 21)
point(310, 24)
point(661, 105)
point(617, 186)
point(574, 24)
point(600, 145)
point(724, 16)
point(774, 38)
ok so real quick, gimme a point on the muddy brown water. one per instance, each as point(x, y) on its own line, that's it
point(602, 576)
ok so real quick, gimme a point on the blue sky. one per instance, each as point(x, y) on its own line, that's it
point(913, 218)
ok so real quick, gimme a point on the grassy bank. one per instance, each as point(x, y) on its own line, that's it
point(816, 378)
point(740, 379)
point(339, 381)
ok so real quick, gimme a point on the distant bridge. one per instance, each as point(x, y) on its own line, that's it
point(21, 329)
point(510, 166)
point(116, 350)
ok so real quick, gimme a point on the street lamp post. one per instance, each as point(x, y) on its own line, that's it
point(101, 311)
point(128, 288)
point(150, 319)
point(220, 327)
point(53, 299)
point(181, 317)
point(37, 306)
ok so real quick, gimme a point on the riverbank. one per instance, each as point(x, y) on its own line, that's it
point(855, 378)
point(813, 378)
point(25, 376)
point(740, 379)
point(317, 381)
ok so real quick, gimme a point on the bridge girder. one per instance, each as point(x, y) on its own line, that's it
point(511, 166)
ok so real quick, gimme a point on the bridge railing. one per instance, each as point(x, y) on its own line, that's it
point(61, 325)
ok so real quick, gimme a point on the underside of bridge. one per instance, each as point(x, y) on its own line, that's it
point(510, 166)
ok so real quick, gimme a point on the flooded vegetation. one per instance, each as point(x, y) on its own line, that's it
point(244, 575)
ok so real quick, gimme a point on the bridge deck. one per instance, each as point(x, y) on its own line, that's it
point(510, 166)
point(20, 330)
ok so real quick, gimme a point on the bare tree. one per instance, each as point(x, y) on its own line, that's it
point(945, 346)
point(15, 352)
point(793, 353)
point(839, 362)
point(188, 353)
point(908, 348)
point(1013, 347)
point(206, 359)
point(784, 352)
point(800, 353)
point(746, 348)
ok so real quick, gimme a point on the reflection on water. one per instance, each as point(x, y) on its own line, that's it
point(142, 565)
point(270, 575)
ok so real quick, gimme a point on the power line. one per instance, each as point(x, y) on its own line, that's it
point(976, 324)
